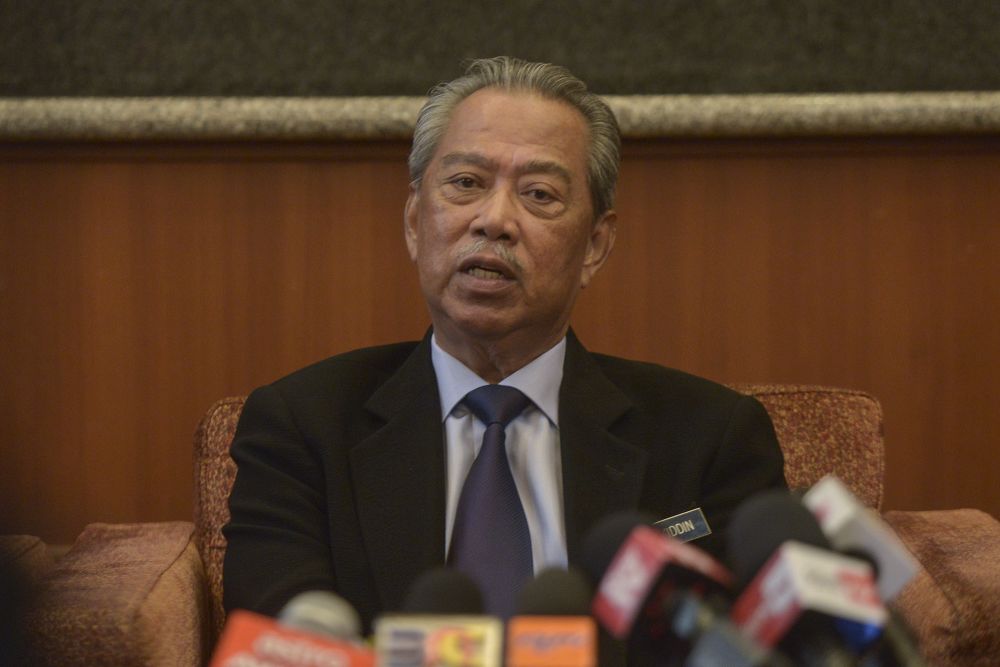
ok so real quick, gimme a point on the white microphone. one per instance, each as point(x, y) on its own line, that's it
point(852, 527)
point(322, 613)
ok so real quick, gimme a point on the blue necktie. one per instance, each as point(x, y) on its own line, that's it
point(490, 541)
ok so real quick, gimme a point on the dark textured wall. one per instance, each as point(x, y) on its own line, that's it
point(388, 47)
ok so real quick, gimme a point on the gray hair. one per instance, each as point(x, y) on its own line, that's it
point(550, 81)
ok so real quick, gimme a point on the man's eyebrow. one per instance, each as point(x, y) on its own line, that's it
point(531, 167)
point(546, 167)
point(463, 157)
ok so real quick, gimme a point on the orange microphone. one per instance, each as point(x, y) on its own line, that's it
point(553, 627)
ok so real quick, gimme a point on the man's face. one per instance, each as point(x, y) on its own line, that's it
point(501, 226)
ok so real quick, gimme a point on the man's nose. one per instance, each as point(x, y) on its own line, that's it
point(497, 218)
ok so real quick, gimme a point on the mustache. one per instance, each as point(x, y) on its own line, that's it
point(498, 249)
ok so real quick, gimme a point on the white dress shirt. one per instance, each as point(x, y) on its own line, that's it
point(532, 442)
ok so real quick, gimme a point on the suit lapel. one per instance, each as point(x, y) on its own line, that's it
point(399, 478)
point(399, 470)
point(602, 473)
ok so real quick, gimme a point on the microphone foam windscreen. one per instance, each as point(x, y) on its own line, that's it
point(763, 523)
point(323, 613)
point(605, 538)
point(443, 591)
point(555, 592)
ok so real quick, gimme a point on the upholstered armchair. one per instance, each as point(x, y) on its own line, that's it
point(151, 594)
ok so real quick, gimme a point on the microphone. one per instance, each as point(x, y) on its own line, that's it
point(857, 530)
point(552, 626)
point(443, 591)
point(690, 620)
point(801, 598)
point(441, 626)
point(314, 628)
point(761, 524)
point(852, 527)
point(321, 613)
point(644, 582)
point(722, 643)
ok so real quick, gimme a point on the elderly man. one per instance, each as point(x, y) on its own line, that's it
point(497, 441)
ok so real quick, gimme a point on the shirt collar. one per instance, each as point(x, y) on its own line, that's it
point(539, 380)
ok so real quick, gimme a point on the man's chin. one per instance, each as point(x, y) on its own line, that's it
point(476, 323)
point(488, 328)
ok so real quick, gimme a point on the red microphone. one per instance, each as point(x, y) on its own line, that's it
point(314, 632)
point(817, 606)
point(645, 580)
point(648, 567)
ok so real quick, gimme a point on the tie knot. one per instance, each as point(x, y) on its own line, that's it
point(494, 403)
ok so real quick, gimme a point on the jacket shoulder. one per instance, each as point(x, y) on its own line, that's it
point(358, 372)
point(646, 382)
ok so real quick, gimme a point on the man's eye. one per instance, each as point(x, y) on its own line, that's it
point(464, 182)
point(540, 196)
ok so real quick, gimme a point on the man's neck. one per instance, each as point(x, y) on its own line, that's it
point(493, 360)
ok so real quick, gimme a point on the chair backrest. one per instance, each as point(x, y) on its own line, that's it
point(214, 473)
point(825, 430)
point(820, 429)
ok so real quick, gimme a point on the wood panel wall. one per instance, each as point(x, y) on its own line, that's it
point(139, 283)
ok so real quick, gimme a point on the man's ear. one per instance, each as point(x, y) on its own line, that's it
point(599, 245)
point(410, 220)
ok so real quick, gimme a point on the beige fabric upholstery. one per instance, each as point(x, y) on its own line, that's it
point(128, 594)
point(953, 605)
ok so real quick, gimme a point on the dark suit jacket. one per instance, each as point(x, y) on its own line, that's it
point(341, 482)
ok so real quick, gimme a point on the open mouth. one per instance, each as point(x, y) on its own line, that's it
point(486, 267)
point(484, 273)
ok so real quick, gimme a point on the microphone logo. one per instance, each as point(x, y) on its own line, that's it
point(626, 583)
point(456, 645)
point(547, 641)
point(438, 641)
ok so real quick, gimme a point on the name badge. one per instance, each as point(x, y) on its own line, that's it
point(685, 526)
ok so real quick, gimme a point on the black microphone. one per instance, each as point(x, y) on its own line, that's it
point(555, 592)
point(443, 591)
point(763, 523)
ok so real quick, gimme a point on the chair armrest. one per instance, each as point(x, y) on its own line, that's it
point(28, 556)
point(954, 601)
point(124, 594)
